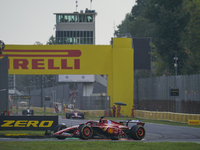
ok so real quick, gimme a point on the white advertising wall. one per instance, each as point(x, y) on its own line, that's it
point(75, 78)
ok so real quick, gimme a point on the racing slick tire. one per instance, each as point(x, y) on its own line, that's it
point(82, 116)
point(58, 128)
point(68, 115)
point(137, 132)
point(86, 132)
point(23, 112)
point(32, 111)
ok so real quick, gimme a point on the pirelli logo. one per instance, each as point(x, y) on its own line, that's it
point(43, 59)
point(193, 122)
point(28, 122)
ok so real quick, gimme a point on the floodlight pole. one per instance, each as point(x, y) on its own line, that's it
point(176, 64)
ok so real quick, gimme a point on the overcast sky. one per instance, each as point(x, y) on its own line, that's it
point(28, 21)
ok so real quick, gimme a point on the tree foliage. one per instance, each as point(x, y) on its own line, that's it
point(135, 23)
point(191, 37)
point(37, 43)
point(174, 26)
point(170, 23)
point(52, 41)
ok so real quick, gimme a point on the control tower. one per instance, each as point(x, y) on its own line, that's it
point(75, 28)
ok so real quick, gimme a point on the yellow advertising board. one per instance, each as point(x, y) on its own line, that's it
point(193, 122)
point(114, 60)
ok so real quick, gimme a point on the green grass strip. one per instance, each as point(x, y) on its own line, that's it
point(97, 145)
point(30, 132)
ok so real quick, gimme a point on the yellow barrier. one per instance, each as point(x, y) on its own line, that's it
point(168, 116)
point(41, 109)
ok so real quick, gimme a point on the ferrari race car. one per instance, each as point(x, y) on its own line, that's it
point(27, 111)
point(75, 114)
point(102, 129)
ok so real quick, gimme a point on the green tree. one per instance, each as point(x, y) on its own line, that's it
point(52, 41)
point(135, 24)
point(170, 22)
point(191, 37)
point(37, 43)
point(124, 27)
point(139, 9)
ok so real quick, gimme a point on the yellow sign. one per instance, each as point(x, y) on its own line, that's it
point(26, 123)
point(193, 122)
point(114, 60)
point(58, 59)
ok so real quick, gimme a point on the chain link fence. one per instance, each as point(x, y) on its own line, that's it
point(154, 94)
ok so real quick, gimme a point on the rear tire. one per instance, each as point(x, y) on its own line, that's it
point(23, 112)
point(82, 116)
point(137, 132)
point(68, 115)
point(32, 112)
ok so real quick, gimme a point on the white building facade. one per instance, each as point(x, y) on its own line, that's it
point(75, 28)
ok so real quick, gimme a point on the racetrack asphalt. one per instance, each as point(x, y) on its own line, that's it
point(154, 133)
point(157, 132)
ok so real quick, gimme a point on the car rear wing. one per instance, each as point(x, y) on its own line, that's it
point(139, 122)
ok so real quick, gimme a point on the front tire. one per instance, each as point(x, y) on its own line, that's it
point(86, 132)
point(137, 132)
point(58, 128)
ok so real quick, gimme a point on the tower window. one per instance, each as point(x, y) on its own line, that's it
point(74, 37)
point(74, 18)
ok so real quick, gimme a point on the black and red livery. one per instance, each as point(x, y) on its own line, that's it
point(102, 129)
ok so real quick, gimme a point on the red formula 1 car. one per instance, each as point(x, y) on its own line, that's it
point(102, 129)
point(75, 114)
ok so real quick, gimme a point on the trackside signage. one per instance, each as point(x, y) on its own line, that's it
point(115, 61)
point(193, 122)
point(28, 122)
point(27, 60)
